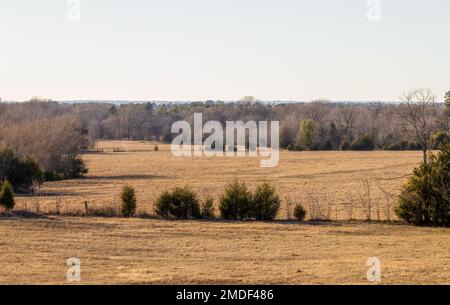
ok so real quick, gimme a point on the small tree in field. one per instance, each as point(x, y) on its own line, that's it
point(7, 196)
point(299, 212)
point(236, 201)
point(128, 198)
point(266, 202)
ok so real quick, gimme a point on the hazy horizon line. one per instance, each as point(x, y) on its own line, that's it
point(125, 101)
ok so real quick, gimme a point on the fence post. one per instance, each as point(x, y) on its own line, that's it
point(86, 207)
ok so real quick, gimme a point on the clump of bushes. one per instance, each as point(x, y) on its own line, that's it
point(7, 196)
point(345, 145)
point(265, 202)
point(402, 145)
point(365, 142)
point(128, 200)
point(237, 202)
point(299, 212)
point(21, 173)
point(25, 173)
point(181, 202)
point(440, 138)
point(70, 168)
point(425, 198)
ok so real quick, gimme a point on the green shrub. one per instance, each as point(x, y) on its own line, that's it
point(235, 202)
point(440, 138)
point(162, 204)
point(345, 145)
point(32, 172)
point(52, 176)
point(70, 168)
point(182, 202)
point(266, 202)
point(365, 142)
point(425, 198)
point(299, 212)
point(21, 173)
point(308, 135)
point(207, 209)
point(128, 198)
point(404, 145)
point(73, 167)
point(7, 196)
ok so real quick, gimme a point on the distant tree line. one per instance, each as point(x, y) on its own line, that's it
point(317, 125)
point(53, 134)
point(40, 141)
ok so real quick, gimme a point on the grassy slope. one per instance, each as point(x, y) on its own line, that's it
point(155, 251)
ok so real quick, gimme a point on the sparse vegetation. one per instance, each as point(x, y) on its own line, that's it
point(302, 175)
point(207, 208)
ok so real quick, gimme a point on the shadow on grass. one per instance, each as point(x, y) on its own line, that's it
point(22, 214)
point(124, 177)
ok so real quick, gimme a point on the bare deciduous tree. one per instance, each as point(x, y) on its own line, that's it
point(365, 196)
point(346, 116)
point(415, 112)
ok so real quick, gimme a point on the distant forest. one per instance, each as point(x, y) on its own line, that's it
point(41, 140)
point(318, 125)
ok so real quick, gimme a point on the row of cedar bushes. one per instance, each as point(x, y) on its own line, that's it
point(236, 202)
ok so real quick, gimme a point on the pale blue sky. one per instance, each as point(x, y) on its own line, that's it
point(223, 49)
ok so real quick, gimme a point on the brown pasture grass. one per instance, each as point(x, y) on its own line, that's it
point(334, 178)
point(34, 247)
point(138, 251)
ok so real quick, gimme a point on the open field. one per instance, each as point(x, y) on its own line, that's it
point(298, 173)
point(114, 250)
point(117, 250)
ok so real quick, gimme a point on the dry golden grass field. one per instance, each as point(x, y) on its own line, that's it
point(117, 250)
point(114, 250)
point(335, 179)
